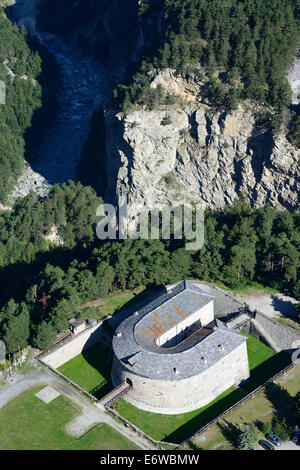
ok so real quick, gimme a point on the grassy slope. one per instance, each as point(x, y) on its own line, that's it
point(116, 302)
point(28, 423)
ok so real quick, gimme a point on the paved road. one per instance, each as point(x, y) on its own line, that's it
point(284, 446)
point(91, 414)
point(288, 446)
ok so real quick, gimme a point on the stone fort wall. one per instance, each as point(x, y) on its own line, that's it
point(180, 396)
point(284, 336)
point(75, 346)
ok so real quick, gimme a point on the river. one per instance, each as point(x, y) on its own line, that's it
point(83, 87)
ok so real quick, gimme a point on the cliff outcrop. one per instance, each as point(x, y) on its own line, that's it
point(189, 152)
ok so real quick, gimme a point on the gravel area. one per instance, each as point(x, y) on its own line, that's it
point(271, 305)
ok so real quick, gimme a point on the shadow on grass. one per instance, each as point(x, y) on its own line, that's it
point(281, 400)
point(230, 431)
point(204, 418)
point(193, 446)
point(138, 300)
point(101, 360)
point(266, 370)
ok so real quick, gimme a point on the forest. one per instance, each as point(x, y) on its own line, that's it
point(51, 262)
point(242, 245)
point(19, 68)
point(245, 48)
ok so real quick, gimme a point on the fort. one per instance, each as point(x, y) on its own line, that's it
point(176, 355)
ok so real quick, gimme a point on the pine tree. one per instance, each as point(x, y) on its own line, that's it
point(246, 438)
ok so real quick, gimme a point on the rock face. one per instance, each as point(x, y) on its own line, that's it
point(200, 156)
point(29, 181)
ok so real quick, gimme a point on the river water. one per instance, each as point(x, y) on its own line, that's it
point(84, 86)
point(82, 89)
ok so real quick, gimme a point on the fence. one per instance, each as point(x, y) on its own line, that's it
point(69, 381)
point(158, 444)
point(240, 402)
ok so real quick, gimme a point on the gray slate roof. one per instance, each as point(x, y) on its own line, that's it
point(144, 357)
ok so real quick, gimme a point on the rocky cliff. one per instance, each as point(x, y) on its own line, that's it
point(188, 152)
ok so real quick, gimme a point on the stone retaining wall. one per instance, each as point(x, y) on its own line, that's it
point(75, 346)
point(284, 336)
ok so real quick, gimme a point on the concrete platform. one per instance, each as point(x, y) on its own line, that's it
point(47, 394)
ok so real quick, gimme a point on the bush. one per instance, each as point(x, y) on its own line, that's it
point(282, 428)
point(45, 336)
point(166, 121)
point(266, 427)
point(170, 99)
point(246, 438)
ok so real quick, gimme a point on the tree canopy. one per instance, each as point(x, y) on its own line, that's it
point(19, 68)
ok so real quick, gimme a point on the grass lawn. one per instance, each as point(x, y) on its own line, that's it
point(259, 408)
point(116, 302)
point(263, 362)
point(91, 370)
point(249, 289)
point(175, 428)
point(28, 423)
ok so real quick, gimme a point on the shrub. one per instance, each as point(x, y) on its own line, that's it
point(282, 428)
point(166, 121)
point(246, 438)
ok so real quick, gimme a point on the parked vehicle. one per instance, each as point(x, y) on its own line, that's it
point(272, 438)
point(296, 438)
point(266, 445)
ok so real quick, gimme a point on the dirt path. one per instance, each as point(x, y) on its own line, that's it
point(271, 305)
point(90, 416)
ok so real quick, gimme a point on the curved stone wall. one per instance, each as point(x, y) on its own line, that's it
point(181, 396)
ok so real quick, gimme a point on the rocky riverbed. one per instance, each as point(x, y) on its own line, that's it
point(82, 89)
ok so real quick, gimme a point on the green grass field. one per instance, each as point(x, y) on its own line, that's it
point(90, 370)
point(263, 362)
point(175, 428)
point(27, 423)
point(116, 302)
point(260, 408)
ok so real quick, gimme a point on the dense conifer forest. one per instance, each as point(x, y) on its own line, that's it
point(245, 48)
point(242, 245)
